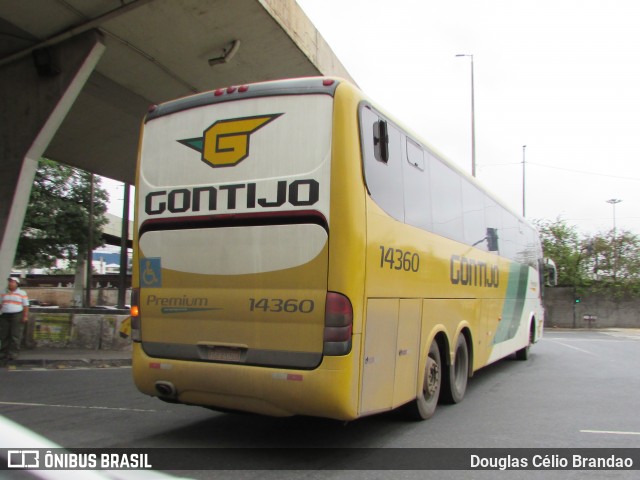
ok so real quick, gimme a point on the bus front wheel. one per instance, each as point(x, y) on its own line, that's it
point(424, 406)
point(523, 353)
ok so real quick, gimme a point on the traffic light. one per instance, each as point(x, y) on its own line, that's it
point(578, 300)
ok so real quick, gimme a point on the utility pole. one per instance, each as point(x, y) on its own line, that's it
point(473, 119)
point(523, 183)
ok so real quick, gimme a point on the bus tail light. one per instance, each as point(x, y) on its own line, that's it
point(338, 325)
point(136, 333)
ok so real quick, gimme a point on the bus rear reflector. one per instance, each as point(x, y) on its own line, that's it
point(338, 324)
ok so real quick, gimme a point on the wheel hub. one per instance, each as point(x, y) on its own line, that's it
point(432, 377)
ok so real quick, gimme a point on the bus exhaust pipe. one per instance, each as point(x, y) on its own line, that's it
point(166, 389)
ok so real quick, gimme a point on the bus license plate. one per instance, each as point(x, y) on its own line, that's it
point(224, 354)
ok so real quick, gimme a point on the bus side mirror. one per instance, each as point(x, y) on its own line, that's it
point(381, 141)
point(550, 273)
point(492, 239)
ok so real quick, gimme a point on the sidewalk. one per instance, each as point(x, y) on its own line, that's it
point(67, 358)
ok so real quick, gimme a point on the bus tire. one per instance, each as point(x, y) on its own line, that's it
point(424, 406)
point(456, 377)
point(523, 353)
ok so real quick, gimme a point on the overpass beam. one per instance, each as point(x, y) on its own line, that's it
point(36, 93)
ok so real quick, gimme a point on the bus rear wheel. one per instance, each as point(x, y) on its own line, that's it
point(455, 381)
point(424, 406)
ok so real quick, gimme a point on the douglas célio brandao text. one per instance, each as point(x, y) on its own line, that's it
point(550, 462)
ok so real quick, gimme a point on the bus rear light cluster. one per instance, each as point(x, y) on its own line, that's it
point(229, 90)
point(326, 82)
point(136, 332)
point(338, 325)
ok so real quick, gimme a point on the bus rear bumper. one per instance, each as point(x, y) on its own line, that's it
point(265, 391)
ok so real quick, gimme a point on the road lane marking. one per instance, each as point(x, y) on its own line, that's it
point(607, 340)
point(575, 348)
point(609, 432)
point(85, 407)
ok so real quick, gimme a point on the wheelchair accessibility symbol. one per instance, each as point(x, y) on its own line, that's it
point(150, 272)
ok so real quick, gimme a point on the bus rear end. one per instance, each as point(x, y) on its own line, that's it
point(231, 305)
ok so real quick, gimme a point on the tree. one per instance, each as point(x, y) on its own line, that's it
point(607, 263)
point(614, 262)
point(562, 244)
point(56, 224)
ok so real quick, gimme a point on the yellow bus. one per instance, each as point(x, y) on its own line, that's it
point(298, 252)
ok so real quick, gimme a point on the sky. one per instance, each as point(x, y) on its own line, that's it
point(559, 76)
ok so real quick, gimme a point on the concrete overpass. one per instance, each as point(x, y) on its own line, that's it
point(77, 76)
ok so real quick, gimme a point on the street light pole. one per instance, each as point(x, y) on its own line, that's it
point(523, 183)
point(613, 202)
point(473, 119)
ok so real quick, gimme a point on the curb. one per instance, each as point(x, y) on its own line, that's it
point(79, 362)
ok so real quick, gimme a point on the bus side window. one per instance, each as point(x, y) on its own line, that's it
point(417, 195)
point(381, 141)
point(415, 155)
point(382, 154)
point(475, 229)
point(446, 196)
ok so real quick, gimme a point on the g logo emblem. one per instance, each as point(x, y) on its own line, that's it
point(226, 142)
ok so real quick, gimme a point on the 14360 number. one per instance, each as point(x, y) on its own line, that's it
point(398, 259)
point(276, 305)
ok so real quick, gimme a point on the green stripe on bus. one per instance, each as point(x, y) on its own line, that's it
point(514, 303)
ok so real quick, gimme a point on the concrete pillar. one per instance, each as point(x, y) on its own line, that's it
point(36, 93)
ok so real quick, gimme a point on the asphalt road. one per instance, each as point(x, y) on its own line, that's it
point(577, 390)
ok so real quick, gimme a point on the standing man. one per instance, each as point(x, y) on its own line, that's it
point(15, 314)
